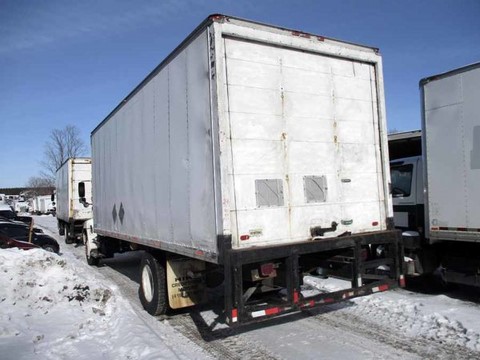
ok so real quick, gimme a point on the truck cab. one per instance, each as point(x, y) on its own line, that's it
point(407, 187)
point(408, 193)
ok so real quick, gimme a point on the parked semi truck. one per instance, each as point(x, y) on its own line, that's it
point(251, 156)
point(71, 210)
point(435, 176)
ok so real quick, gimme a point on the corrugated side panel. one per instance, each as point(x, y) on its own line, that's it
point(81, 172)
point(152, 161)
point(452, 121)
point(305, 120)
point(62, 185)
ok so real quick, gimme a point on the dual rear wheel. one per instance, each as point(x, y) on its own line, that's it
point(153, 284)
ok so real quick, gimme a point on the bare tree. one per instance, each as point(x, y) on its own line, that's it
point(39, 182)
point(62, 144)
point(40, 186)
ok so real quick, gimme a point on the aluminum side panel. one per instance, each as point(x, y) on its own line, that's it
point(153, 159)
point(62, 186)
point(452, 138)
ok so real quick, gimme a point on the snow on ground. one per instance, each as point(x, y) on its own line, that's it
point(434, 317)
point(56, 307)
point(52, 307)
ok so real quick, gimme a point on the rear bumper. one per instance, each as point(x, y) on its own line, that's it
point(361, 270)
point(255, 254)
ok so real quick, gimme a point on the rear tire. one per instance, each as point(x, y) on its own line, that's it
point(61, 229)
point(68, 239)
point(153, 284)
point(91, 260)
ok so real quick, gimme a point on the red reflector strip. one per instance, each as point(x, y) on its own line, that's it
point(312, 303)
point(375, 223)
point(234, 315)
point(380, 288)
point(199, 253)
point(244, 237)
point(443, 228)
point(402, 281)
point(272, 311)
point(295, 296)
point(348, 295)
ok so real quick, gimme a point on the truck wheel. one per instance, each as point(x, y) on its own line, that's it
point(91, 260)
point(68, 239)
point(153, 284)
point(61, 229)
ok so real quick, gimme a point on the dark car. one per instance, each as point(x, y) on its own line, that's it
point(24, 233)
point(8, 242)
point(7, 213)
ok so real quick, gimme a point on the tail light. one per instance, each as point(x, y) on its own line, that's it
point(268, 269)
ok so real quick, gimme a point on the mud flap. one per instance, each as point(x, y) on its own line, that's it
point(90, 236)
point(185, 282)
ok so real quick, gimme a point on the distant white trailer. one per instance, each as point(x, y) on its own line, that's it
point(42, 204)
point(20, 206)
point(71, 209)
point(250, 147)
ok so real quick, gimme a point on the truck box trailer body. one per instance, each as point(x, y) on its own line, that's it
point(436, 192)
point(42, 204)
point(451, 141)
point(71, 212)
point(251, 145)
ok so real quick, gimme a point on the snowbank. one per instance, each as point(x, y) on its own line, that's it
point(433, 317)
point(51, 308)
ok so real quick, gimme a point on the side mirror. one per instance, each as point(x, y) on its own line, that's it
point(81, 190)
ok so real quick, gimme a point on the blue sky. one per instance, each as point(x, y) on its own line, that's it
point(71, 62)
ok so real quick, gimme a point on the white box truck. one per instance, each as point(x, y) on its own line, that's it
point(435, 176)
point(71, 210)
point(42, 204)
point(254, 155)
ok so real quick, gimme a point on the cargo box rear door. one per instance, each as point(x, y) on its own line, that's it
point(81, 172)
point(304, 142)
